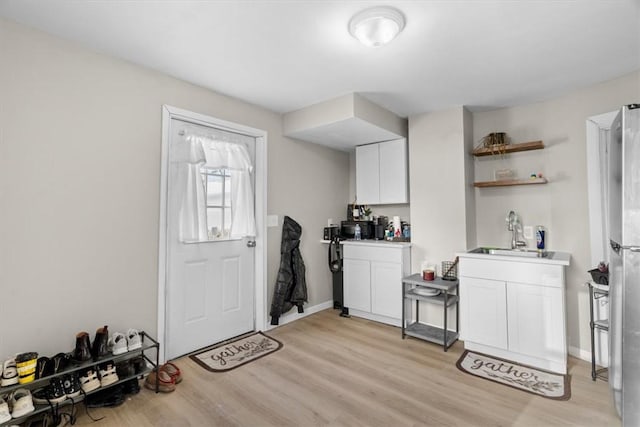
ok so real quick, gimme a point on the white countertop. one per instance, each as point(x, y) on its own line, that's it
point(378, 243)
point(554, 257)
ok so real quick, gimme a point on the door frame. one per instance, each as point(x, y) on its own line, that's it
point(260, 258)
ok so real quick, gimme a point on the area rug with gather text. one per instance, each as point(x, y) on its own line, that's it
point(232, 354)
point(522, 377)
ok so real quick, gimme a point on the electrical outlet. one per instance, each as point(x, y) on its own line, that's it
point(528, 232)
point(272, 220)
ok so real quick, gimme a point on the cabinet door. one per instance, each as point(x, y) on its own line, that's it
point(393, 171)
point(357, 284)
point(536, 321)
point(386, 289)
point(367, 174)
point(483, 311)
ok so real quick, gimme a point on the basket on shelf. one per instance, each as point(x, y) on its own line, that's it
point(601, 278)
point(450, 270)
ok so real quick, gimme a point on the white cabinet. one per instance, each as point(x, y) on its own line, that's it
point(536, 316)
point(381, 173)
point(484, 311)
point(514, 310)
point(373, 273)
point(357, 273)
point(386, 300)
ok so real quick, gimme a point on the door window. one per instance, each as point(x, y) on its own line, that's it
point(218, 190)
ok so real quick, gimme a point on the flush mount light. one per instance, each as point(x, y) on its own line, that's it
point(376, 26)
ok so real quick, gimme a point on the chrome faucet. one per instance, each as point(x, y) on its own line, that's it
point(513, 225)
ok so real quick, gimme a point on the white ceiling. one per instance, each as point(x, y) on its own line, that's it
point(285, 55)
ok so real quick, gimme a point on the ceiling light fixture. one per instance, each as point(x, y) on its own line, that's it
point(376, 26)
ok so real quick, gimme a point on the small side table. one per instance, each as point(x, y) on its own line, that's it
point(596, 292)
point(448, 296)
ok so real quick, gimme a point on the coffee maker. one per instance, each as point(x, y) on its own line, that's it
point(380, 225)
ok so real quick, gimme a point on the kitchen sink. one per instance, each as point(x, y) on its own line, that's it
point(525, 253)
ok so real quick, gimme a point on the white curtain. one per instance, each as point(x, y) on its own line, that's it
point(193, 206)
point(235, 158)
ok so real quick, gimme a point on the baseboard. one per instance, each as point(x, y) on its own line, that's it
point(294, 315)
point(580, 353)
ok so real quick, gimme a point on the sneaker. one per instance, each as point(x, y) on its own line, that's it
point(26, 364)
point(53, 393)
point(5, 415)
point(100, 347)
point(134, 340)
point(71, 384)
point(89, 381)
point(108, 374)
point(21, 403)
point(9, 373)
point(118, 343)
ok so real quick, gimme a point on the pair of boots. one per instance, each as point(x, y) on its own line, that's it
point(85, 350)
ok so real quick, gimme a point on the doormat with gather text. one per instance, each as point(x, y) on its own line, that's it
point(230, 355)
point(532, 380)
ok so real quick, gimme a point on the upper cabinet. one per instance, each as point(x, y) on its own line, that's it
point(344, 123)
point(381, 173)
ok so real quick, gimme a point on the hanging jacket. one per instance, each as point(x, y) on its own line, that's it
point(291, 286)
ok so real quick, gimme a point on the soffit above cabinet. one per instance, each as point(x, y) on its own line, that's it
point(344, 123)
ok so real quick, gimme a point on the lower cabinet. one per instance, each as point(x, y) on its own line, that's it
point(373, 275)
point(483, 314)
point(523, 322)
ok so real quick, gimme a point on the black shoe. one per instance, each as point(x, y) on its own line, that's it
point(82, 352)
point(131, 387)
point(53, 393)
point(100, 346)
point(71, 384)
point(60, 362)
point(112, 396)
point(44, 367)
point(125, 369)
point(139, 364)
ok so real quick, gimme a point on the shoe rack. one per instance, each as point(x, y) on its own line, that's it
point(149, 344)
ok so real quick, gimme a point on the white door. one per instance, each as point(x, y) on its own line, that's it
point(483, 311)
point(210, 281)
point(357, 284)
point(536, 320)
point(367, 174)
point(393, 171)
point(386, 289)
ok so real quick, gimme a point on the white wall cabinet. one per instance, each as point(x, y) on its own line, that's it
point(373, 273)
point(381, 173)
point(514, 310)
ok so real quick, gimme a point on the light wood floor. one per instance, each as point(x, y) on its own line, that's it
point(352, 372)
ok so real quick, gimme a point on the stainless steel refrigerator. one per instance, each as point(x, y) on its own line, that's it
point(624, 263)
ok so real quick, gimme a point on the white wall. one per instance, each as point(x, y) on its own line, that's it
point(561, 205)
point(80, 140)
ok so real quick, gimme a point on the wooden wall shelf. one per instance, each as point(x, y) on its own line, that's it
point(510, 148)
point(510, 182)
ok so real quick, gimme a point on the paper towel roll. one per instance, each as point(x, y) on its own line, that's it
point(397, 226)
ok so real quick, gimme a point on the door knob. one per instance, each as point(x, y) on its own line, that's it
point(251, 243)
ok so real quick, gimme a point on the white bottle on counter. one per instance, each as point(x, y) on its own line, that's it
point(357, 234)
